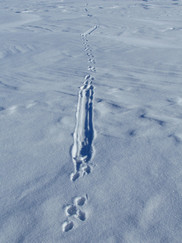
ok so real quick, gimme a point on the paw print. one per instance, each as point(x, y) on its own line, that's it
point(74, 212)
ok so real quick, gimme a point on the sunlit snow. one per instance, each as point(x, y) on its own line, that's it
point(91, 121)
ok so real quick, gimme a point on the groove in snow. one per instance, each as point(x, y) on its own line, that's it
point(84, 133)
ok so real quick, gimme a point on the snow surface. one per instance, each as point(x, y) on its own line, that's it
point(91, 121)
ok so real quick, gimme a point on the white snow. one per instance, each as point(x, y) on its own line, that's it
point(91, 121)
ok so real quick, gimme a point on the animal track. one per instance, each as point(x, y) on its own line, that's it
point(88, 14)
point(84, 133)
point(83, 136)
point(73, 211)
point(67, 226)
point(80, 201)
point(81, 215)
point(88, 32)
point(82, 149)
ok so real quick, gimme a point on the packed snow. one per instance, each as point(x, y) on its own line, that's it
point(91, 121)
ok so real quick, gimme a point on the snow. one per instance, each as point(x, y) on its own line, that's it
point(90, 121)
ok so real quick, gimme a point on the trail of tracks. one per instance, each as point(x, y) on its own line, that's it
point(84, 132)
point(83, 137)
point(82, 149)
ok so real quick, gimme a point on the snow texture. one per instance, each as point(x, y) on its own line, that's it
point(91, 121)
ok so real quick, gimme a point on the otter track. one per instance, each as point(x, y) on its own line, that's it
point(82, 149)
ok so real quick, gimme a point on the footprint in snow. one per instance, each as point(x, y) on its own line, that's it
point(67, 226)
point(73, 211)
